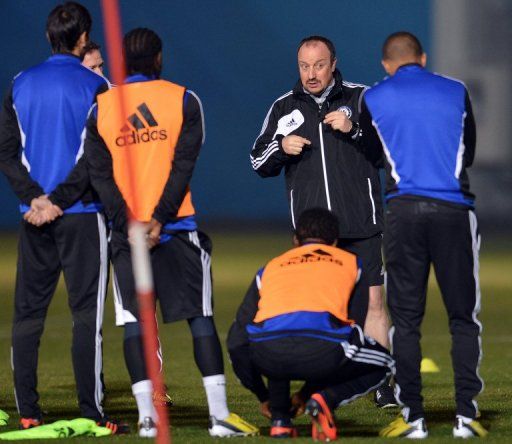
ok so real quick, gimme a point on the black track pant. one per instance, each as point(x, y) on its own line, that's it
point(420, 233)
point(341, 371)
point(77, 245)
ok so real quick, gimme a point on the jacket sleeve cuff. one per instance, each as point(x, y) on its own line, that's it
point(262, 394)
point(279, 138)
point(160, 217)
point(56, 201)
point(32, 194)
point(354, 131)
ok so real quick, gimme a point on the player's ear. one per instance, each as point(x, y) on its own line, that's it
point(387, 67)
point(423, 60)
point(80, 43)
point(157, 63)
point(334, 65)
point(295, 240)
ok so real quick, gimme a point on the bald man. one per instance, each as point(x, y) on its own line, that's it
point(425, 127)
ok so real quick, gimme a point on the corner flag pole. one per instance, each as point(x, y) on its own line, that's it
point(139, 251)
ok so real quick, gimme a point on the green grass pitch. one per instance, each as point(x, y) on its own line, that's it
point(236, 258)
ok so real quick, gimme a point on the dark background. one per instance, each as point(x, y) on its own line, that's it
point(238, 56)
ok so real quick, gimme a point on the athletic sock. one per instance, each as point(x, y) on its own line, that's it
point(143, 393)
point(207, 348)
point(215, 388)
point(134, 353)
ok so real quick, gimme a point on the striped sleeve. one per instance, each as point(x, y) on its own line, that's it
point(267, 155)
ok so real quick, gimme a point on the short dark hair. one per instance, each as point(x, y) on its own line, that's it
point(319, 38)
point(400, 45)
point(141, 47)
point(89, 47)
point(65, 24)
point(319, 224)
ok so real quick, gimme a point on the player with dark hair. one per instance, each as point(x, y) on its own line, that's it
point(293, 325)
point(317, 224)
point(143, 52)
point(312, 133)
point(164, 130)
point(313, 39)
point(91, 58)
point(424, 124)
point(68, 27)
point(42, 124)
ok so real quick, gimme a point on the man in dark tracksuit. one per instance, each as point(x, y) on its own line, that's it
point(312, 132)
point(43, 116)
point(293, 325)
point(427, 132)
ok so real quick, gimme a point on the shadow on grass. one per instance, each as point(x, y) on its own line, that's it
point(346, 428)
point(446, 416)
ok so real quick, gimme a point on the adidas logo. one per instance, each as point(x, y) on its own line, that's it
point(291, 123)
point(138, 128)
point(318, 255)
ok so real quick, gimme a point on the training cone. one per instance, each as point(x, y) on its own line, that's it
point(429, 366)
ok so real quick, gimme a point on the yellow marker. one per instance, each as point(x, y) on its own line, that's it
point(429, 366)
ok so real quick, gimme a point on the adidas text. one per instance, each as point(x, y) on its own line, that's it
point(143, 136)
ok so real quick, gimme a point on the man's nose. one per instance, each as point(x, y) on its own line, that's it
point(311, 73)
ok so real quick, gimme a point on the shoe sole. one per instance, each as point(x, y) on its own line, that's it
point(28, 426)
point(283, 432)
point(234, 434)
point(387, 406)
point(148, 433)
point(417, 434)
point(224, 432)
point(466, 432)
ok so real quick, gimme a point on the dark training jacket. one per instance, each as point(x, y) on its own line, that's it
point(335, 171)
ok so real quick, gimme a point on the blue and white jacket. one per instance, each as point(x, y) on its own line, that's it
point(427, 131)
point(42, 130)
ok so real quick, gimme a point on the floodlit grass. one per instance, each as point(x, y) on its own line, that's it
point(236, 258)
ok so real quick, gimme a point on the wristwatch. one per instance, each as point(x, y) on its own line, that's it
point(354, 131)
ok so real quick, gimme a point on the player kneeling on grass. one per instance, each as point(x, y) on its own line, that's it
point(293, 325)
point(163, 129)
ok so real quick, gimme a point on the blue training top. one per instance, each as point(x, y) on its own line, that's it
point(52, 101)
point(422, 121)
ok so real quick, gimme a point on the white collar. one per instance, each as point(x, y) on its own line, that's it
point(321, 99)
